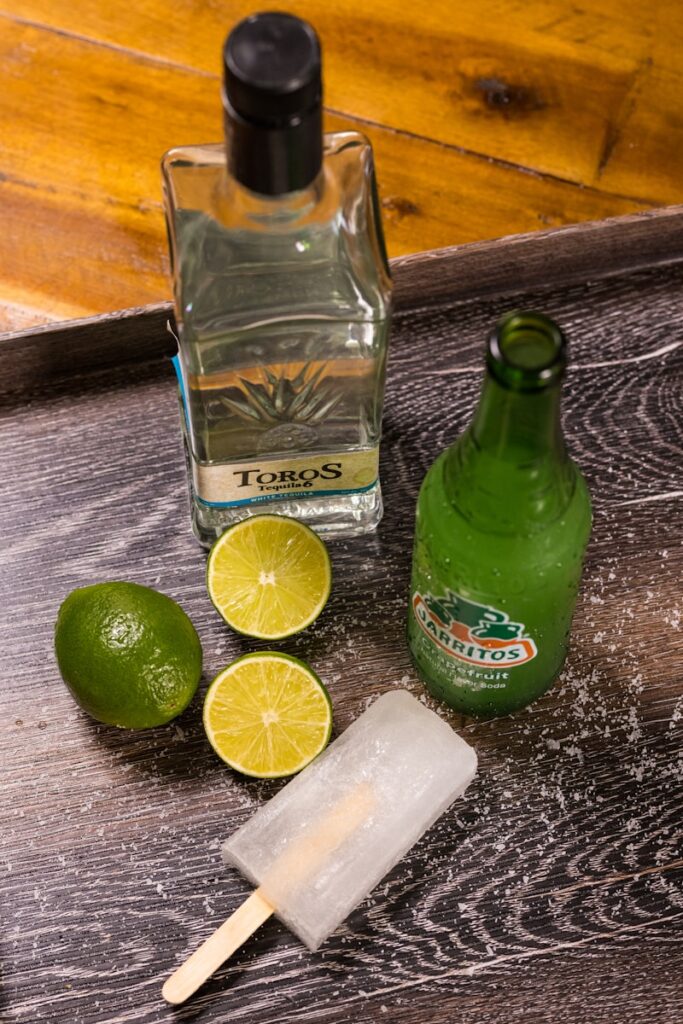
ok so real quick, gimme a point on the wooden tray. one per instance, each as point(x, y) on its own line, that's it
point(550, 893)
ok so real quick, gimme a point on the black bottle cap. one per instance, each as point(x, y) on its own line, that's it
point(273, 103)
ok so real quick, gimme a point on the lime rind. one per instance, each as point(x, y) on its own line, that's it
point(300, 624)
point(321, 692)
point(130, 655)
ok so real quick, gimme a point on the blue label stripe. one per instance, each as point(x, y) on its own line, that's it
point(261, 498)
point(181, 384)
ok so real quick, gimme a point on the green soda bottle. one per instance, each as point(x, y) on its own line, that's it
point(503, 519)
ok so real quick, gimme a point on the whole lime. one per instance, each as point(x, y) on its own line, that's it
point(130, 655)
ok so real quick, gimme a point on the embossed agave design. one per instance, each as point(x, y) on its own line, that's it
point(304, 398)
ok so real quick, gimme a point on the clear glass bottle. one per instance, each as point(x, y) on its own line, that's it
point(282, 297)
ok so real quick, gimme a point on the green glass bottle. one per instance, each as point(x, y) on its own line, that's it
point(503, 519)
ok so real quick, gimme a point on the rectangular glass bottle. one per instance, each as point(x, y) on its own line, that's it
point(282, 298)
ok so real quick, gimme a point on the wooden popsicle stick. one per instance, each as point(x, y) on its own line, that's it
point(304, 856)
point(217, 948)
point(299, 860)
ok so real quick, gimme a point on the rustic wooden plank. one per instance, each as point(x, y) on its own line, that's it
point(606, 26)
point(20, 311)
point(541, 85)
point(96, 239)
point(72, 253)
point(643, 149)
point(553, 890)
point(573, 253)
point(48, 353)
point(541, 259)
point(433, 196)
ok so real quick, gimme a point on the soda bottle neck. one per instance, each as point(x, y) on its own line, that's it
point(509, 472)
point(518, 426)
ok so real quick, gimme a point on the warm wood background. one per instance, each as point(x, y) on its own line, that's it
point(488, 116)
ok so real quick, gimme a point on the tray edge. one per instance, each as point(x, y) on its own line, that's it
point(558, 256)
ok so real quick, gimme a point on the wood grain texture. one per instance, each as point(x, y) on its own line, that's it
point(505, 118)
point(552, 891)
point(495, 80)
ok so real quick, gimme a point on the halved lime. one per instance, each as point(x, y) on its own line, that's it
point(267, 715)
point(269, 576)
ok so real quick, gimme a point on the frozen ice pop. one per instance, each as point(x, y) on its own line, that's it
point(403, 766)
point(320, 846)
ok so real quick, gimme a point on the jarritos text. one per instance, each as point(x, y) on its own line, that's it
point(475, 633)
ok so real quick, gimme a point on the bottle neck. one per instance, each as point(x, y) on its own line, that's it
point(274, 161)
point(518, 427)
point(509, 472)
point(261, 207)
point(239, 207)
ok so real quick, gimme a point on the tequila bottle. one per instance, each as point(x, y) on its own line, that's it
point(282, 297)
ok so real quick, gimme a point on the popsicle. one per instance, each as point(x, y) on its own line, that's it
point(320, 846)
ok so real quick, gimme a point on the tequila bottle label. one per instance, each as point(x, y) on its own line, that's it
point(276, 477)
point(264, 480)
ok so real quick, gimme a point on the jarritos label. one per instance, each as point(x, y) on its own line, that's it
point(475, 633)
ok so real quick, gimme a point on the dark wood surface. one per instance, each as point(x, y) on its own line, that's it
point(553, 891)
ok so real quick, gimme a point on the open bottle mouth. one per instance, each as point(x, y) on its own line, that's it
point(526, 351)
